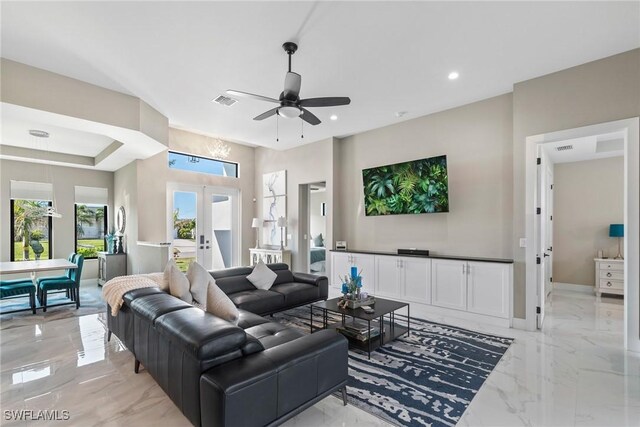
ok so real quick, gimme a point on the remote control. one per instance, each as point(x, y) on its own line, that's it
point(367, 309)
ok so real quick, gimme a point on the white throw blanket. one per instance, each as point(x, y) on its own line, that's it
point(113, 291)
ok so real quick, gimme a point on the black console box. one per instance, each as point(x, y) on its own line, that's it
point(413, 251)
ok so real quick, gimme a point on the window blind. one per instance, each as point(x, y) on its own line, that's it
point(92, 195)
point(27, 190)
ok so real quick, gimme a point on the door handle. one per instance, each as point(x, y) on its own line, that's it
point(207, 247)
point(546, 255)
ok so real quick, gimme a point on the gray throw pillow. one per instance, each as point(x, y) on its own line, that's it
point(178, 282)
point(199, 282)
point(318, 241)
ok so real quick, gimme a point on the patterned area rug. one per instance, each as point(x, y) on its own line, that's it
point(426, 379)
point(91, 302)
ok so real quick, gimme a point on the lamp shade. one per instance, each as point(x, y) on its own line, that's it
point(255, 223)
point(616, 230)
point(282, 222)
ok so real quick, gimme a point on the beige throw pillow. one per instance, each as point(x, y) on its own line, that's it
point(199, 282)
point(178, 282)
point(160, 279)
point(219, 304)
point(262, 276)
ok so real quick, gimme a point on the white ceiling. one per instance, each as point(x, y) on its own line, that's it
point(586, 148)
point(387, 56)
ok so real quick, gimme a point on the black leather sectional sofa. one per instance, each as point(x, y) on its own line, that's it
point(254, 374)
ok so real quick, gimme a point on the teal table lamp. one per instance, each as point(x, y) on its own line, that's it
point(617, 230)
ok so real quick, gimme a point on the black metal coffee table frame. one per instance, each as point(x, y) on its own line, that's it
point(383, 308)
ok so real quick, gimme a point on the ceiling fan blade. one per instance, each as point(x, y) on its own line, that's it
point(325, 102)
point(292, 85)
point(252, 96)
point(266, 114)
point(308, 117)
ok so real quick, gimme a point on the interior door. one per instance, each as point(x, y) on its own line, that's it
point(549, 232)
point(542, 254)
point(203, 226)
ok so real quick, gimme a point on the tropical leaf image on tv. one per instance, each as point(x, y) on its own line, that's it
point(414, 187)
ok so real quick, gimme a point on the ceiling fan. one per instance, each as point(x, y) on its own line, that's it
point(291, 106)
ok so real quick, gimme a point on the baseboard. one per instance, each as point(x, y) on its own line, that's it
point(585, 289)
point(519, 323)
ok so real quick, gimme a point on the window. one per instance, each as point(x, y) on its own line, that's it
point(199, 164)
point(91, 226)
point(30, 230)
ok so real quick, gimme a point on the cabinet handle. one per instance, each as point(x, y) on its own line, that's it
point(468, 269)
point(608, 274)
point(400, 262)
point(609, 284)
point(464, 271)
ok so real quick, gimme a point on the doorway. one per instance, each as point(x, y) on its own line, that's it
point(313, 227)
point(203, 226)
point(629, 131)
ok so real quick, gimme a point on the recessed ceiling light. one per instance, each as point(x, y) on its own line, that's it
point(453, 75)
point(333, 117)
point(39, 133)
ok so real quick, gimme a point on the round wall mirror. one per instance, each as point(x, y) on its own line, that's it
point(121, 220)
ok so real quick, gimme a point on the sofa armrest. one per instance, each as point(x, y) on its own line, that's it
point(276, 381)
point(322, 282)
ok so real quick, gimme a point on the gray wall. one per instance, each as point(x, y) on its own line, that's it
point(596, 92)
point(587, 197)
point(304, 165)
point(64, 181)
point(477, 141)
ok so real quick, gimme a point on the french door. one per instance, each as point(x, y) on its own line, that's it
point(204, 226)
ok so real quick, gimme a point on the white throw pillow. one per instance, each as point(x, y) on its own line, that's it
point(262, 276)
point(219, 304)
point(178, 282)
point(199, 280)
point(160, 279)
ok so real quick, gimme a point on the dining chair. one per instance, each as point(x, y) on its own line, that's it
point(67, 275)
point(70, 284)
point(16, 288)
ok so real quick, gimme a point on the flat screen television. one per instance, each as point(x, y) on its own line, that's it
point(415, 187)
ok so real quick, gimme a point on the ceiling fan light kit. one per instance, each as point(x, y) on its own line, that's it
point(291, 106)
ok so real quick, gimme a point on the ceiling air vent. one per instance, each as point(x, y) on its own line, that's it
point(564, 147)
point(225, 100)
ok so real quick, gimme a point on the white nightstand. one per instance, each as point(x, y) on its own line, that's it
point(609, 276)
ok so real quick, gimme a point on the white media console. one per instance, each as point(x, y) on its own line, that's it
point(470, 288)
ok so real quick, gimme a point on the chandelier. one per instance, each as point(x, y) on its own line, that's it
point(219, 150)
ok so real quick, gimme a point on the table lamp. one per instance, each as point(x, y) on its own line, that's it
point(255, 223)
point(282, 223)
point(617, 230)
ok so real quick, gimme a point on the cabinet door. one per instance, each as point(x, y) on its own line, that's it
point(387, 276)
point(340, 266)
point(489, 289)
point(416, 279)
point(366, 264)
point(449, 284)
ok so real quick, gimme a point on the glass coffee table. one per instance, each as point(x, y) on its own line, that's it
point(365, 331)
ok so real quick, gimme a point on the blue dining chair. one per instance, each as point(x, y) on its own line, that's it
point(67, 275)
point(70, 284)
point(17, 287)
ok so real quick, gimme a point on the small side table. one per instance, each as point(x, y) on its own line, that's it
point(110, 266)
point(609, 276)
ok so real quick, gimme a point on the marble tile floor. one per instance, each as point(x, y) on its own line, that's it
point(573, 373)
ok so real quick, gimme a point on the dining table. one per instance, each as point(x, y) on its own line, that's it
point(36, 266)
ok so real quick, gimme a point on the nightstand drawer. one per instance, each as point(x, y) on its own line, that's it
point(611, 284)
point(612, 274)
point(611, 266)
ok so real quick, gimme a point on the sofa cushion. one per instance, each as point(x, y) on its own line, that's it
point(296, 293)
point(137, 293)
point(262, 276)
point(283, 276)
point(272, 334)
point(178, 282)
point(199, 279)
point(153, 306)
point(232, 280)
point(219, 304)
point(248, 319)
point(258, 301)
point(201, 334)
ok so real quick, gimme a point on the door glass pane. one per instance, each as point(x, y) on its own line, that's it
point(185, 205)
point(221, 238)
